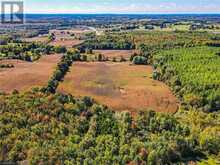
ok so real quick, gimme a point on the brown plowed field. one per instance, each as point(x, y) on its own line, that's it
point(120, 86)
point(26, 75)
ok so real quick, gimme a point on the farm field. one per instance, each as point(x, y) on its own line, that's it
point(115, 53)
point(26, 75)
point(68, 38)
point(120, 86)
point(66, 42)
point(42, 39)
point(70, 31)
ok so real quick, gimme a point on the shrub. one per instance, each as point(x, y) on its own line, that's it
point(139, 60)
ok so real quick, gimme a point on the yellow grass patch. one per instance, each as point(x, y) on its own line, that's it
point(121, 86)
point(26, 75)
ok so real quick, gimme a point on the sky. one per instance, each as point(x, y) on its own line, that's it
point(122, 6)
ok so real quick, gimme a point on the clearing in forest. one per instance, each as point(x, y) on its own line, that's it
point(120, 86)
point(26, 75)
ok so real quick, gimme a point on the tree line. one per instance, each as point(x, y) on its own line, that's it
point(108, 42)
point(61, 70)
point(28, 51)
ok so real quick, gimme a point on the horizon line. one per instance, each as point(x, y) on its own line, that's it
point(125, 13)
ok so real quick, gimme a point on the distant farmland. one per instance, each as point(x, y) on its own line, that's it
point(26, 75)
point(68, 38)
point(43, 39)
point(119, 86)
point(115, 53)
point(67, 43)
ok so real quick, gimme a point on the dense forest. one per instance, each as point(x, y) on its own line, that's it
point(153, 40)
point(61, 129)
point(193, 73)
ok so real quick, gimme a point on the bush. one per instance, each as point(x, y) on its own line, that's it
point(140, 60)
point(6, 66)
point(60, 49)
point(84, 57)
point(114, 59)
point(122, 59)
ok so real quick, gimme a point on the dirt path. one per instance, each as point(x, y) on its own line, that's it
point(120, 86)
point(26, 75)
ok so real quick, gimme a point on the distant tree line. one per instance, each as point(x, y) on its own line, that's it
point(108, 42)
point(28, 51)
point(214, 44)
point(203, 26)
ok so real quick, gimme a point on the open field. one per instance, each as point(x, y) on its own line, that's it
point(115, 53)
point(68, 38)
point(26, 75)
point(42, 39)
point(70, 31)
point(67, 43)
point(120, 86)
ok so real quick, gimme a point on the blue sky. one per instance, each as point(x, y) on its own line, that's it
point(122, 6)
